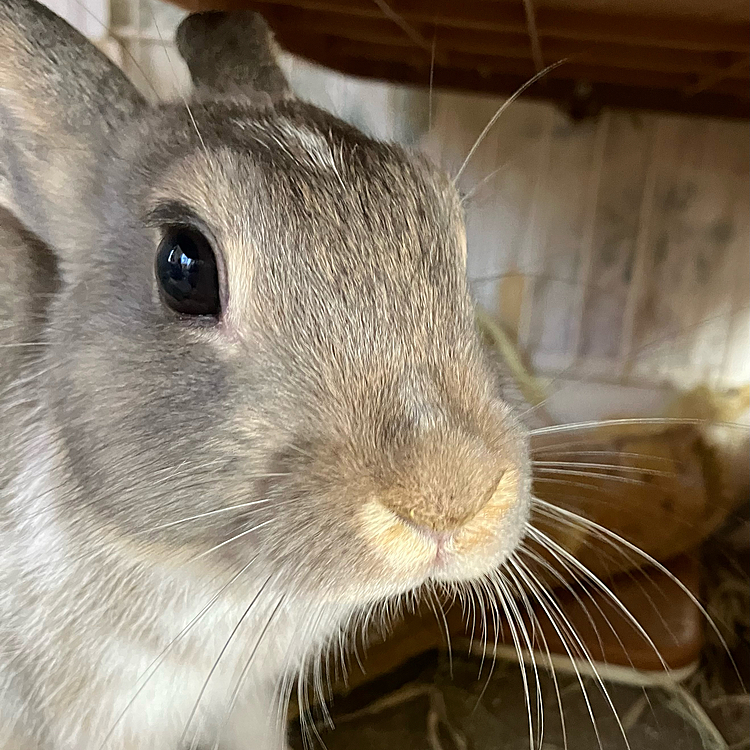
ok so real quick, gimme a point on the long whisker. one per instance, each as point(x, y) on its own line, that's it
point(495, 613)
point(570, 483)
point(473, 595)
point(587, 655)
point(529, 639)
point(592, 474)
point(439, 613)
point(615, 467)
point(504, 598)
point(223, 650)
point(177, 82)
point(511, 566)
point(595, 423)
point(556, 574)
point(512, 595)
point(598, 494)
point(466, 197)
point(432, 75)
point(560, 625)
point(150, 671)
point(577, 524)
point(659, 566)
point(627, 557)
point(500, 111)
point(547, 566)
point(251, 658)
point(622, 454)
point(130, 55)
point(232, 539)
point(22, 344)
point(587, 442)
point(212, 513)
point(558, 550)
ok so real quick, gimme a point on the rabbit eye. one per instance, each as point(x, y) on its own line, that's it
point(187, 274)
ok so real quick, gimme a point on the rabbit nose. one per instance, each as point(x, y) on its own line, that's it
point(440, 515)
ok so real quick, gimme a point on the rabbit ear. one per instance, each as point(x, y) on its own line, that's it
point(60, 101)
point(230, 54)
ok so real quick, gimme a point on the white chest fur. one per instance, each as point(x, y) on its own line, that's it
point(118, 653)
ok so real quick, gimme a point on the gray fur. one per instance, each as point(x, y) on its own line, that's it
point(345, 388)
point(232, 54)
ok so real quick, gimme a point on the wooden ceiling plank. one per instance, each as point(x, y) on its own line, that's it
point(592, 72)
point(711, 79)
point(483, 44)
point(403, 24)
point(551, 23)
point(496, 45)
point(323, 48)
point(615, 95)
point(626, 30)
point(536, 46)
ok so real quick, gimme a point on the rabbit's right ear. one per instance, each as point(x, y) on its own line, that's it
point(61, 102)
point(232, 54)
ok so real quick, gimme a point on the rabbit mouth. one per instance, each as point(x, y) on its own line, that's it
point(411, 553)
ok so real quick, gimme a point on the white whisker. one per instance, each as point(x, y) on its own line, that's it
point(211, 513)
point(572, 483)
point(123, 47)
point(558, 550)
point(595, 423)
point(620, 454)
point(512, 565)
point(150, 671)
point(586, 654)
point(511, 609)
point(232, 539)
point(499, 113)
point(504, 598)
point(659, 566)
point(174, 75)
point(592, 474)
point(223, 650)
point(432, 75)
point(614, 467)
point(250, 659)
point(492, 600)
point(546, 598)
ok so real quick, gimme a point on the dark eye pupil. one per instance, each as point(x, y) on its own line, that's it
point(187, 274)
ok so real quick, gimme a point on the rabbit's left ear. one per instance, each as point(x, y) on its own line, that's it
point(61, 102)
point(232, 54)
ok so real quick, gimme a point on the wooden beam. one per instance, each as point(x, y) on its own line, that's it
point(517, 61)
point(709, 80)
point(552, 23)
point(562, 91)
point(289, 22)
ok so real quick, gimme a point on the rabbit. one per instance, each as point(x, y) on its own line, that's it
point(245, 405)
